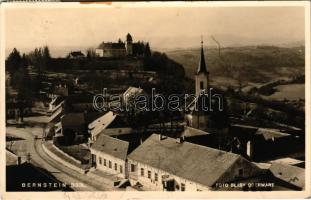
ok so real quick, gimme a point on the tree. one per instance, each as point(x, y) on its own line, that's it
point(41, 59)
point(90, 54)
point(147, 51)
point(23, 85)
point(14, 61)
point(46, 57)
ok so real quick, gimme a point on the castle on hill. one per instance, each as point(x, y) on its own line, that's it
point(119, 49)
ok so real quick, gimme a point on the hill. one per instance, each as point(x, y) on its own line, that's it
point(260, 63)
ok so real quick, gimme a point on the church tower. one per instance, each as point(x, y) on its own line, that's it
point(213, 119)
point(201, 76)
point(129, 45)
point(199, 116)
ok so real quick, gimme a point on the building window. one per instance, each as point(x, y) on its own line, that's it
point(109, 164)
point(100, 160)
point(115, 166)
point(132, 167)
point(183, 187)
point(240, 172)
point(149, 174)
point(121, 169)
point(201, 85)
point(105, 163)
point(142, 173)
point(155, 176)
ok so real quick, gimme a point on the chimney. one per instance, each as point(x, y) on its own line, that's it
point(180, 139)
point(161, 137)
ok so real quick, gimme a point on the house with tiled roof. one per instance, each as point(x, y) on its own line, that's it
point(287, 176)
point(72, 127)
point(164, 163)
point(101, 123)
point(110, 155)
point(262, 143)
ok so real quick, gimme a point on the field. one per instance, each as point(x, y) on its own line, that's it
point(290, 92)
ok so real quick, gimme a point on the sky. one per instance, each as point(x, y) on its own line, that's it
point(73, 28)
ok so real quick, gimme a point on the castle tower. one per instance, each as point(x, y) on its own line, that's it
point(129, 45)
point(201, 76)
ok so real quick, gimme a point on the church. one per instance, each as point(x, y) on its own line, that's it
point(214, 121)
point(119, 49)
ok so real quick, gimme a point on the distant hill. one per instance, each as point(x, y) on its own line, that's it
point(261, 63)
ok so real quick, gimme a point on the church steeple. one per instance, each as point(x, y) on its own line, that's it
point(200, 118)
point(202, 66)
point(202, 75)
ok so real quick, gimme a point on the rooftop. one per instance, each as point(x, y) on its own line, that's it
point(63, 91)
point(288, 161)
point(76, 53)
point(191, 132)
point(201, 164)
point(267, 133)
point(80, 98)
point(202, 66)
point(290, 174)
point(112, 146)
point(73, 119)
point(111, 45)
point(133, 91)
point(101, 123)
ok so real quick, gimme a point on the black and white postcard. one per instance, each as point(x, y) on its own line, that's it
point(155, 100)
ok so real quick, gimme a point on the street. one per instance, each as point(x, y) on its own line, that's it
point(40, 159)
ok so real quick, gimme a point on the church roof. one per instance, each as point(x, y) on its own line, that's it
point(202, 66)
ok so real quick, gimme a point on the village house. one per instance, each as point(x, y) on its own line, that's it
point(99, 124)
point(109, 155)
point(131, 92)
point(164, 163)
point(287, 176)
point(57, 95)
point(60, 105)
point(55, 103)
point(71, 128)
point(262, 143)
point(128, 97)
